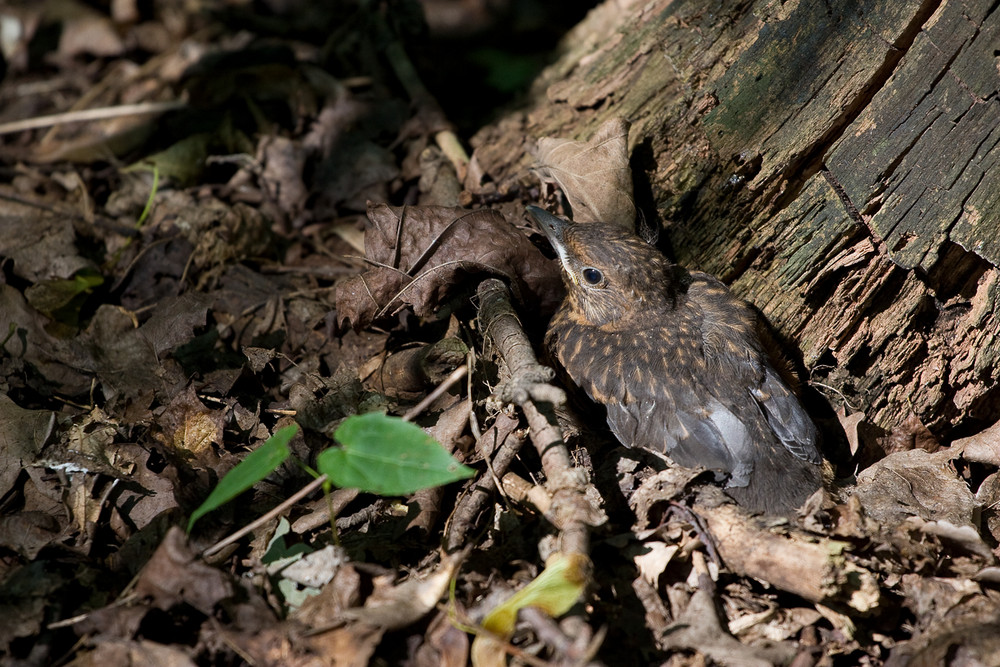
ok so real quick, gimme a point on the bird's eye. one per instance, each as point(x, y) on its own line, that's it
point(592, 276)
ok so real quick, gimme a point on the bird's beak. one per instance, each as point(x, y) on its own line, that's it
point(554, 228)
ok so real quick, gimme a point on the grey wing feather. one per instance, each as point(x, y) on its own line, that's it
point(687, 420)
point(786, 417)
point(710, 435)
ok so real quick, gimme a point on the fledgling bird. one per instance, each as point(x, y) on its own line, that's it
point(677, 361)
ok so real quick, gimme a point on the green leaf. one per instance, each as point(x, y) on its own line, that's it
point(552, 592)
point(182, 162)
point(388, 456)
point(49, 296)
point(279, 554)
point(255, 467)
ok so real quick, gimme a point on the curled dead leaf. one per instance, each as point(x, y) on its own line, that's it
point(594, 175)
point(396, 607)
point(983, 447)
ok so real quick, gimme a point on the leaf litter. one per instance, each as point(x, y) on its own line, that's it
point(145, 357)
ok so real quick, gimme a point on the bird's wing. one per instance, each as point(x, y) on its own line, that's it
point(786, 417)
point(731, 348)
point(672, 400)
point(653, 399)
point(678, 416)
point(698, 422)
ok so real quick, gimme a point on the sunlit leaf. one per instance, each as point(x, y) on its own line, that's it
point(388, 456)
point(553, 592)
point(255, 467)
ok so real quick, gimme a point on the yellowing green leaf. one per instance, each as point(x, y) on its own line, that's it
point(554, 591)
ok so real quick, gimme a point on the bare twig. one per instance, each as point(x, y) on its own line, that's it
point(815, 569)
point(571, 511)
point(253, 525)
point(522, 491)
point(455, 376)
point(85, 115)
point(322, 510)
point(472, 502)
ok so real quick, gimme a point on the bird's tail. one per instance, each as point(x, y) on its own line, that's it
point(779, 484)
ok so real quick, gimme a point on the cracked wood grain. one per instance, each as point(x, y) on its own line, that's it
point(743, 119)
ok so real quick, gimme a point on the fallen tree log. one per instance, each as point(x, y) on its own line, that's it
point(836, 163)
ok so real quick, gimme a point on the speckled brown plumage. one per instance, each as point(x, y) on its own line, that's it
point(676, 360)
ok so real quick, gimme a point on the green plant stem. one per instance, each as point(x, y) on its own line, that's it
point(149, 200)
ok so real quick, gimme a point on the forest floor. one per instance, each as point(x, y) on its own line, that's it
point(268, 219)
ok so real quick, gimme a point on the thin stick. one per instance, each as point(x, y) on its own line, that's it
point(455, 376)
point(84, 115)
point(253, 525)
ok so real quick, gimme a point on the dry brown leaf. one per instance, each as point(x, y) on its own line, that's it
point(190, 428)
point(86, 32)
point(132, 652)
point(284, 161)
point(964, 536)
point(395, 607)
point(911, 434)
point(664, 486)
point(866, 441)
point(40, 246)
point(423, 254)
point(27, 533)
point(850, 425)
point(594, 175)
point(915, 483)
point(357, 171)
point(340, 593)
point(983, 447)
point(23, 433)
point(349, 646)
point(988, 496)
point(59, 361)
point(446, 645)
point(132, 362)
point(175, 574)
point(958, 625)
point(655, 559)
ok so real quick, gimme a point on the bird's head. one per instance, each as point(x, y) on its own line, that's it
point(609, 272)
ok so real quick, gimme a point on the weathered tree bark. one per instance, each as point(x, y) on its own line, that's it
point(837, 162)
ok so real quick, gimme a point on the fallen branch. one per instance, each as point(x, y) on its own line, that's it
point(811, 567)
point(499, 445)
point(571, 511)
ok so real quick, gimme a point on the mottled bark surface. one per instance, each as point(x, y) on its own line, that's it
point(834, 162)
